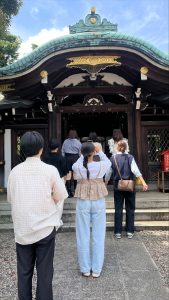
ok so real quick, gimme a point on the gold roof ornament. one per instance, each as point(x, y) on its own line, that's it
point(7, 87)
point(93, 64)
point(93, 23)
point(93, 10)
point(43, 74)
point(144, 70)
point(93, 60)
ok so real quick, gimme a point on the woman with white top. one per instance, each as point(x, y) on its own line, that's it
point(125, 163)
point(90, 207)
point(117, 136)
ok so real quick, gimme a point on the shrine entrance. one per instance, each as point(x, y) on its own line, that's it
point(102, 123)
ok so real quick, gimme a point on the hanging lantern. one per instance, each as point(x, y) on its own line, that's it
point(144, 72)
point(44, 76)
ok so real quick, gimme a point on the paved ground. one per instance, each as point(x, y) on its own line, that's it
point(129, 272)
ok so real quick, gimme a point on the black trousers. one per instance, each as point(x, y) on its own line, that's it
point(119, 198)
point(40, 253)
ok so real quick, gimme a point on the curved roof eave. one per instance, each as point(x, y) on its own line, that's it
point(73, 42)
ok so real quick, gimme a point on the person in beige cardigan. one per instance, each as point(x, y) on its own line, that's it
point(90, 207)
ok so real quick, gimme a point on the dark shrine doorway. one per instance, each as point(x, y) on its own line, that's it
point(102, 123)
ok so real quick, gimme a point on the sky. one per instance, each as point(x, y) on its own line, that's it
point(39, 21)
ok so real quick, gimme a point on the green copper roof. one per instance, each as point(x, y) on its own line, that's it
point(91, 33)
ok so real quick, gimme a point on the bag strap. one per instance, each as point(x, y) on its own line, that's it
point(117, 166)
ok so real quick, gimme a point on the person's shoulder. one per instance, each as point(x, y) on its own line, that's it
point(130, 156)
point(17, 168)
point(49, 169)
point(45, 165)
point(78, 142)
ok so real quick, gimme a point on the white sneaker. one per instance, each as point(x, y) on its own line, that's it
point(130, 235)
point(95, 275)
point(87, 274)
point(118, 235)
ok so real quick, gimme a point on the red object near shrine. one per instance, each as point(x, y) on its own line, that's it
point(165, 160)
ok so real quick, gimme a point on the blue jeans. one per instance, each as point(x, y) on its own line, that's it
point(90, 212)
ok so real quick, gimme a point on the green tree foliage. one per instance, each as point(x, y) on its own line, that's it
point(3, 24)
point(34, 46)
point(9, 43)
point(8, 49)
point(10, 7)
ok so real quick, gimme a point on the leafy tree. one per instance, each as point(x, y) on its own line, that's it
point(3, 26)
point(34, 46)
point(10, 7)
point(8, 49)
point(9, 43)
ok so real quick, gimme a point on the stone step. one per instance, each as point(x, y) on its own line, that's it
point(160, 214)
point(140, 203)
point(154, 214)
point(139, 225)
point(70, 203)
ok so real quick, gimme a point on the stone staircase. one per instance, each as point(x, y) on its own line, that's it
point(152, 212)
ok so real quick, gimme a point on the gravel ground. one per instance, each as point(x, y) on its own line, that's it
point(156, 242)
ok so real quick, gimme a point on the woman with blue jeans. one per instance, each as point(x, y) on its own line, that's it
point(90, 207)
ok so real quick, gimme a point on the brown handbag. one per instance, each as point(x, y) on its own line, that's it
point(126, 185)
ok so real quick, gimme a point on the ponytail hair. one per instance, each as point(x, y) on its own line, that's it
point(87, 150)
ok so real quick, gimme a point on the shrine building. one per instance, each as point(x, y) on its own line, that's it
point(93, 79)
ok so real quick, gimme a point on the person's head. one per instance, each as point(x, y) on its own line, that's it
point(32, 143)
point(72, 134)
point(121, 146)
point(117, 135)
point(53, 144)
point(87, 150)
point(93, 136)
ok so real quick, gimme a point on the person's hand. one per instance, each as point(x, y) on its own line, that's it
point(98, 147)
point(145, 187)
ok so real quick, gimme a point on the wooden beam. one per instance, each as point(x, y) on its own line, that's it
point(95, 109)
point(126, 90)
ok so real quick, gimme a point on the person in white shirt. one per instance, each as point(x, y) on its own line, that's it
point(112, 143)
point(35, 191)
point(71, 150)
point(90, 207)
point(125, 167)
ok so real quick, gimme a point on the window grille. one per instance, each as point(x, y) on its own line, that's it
point(158, 141)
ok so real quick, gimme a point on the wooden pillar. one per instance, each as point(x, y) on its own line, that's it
point(53, 120)
point(139, 140)
point(2, 162)
point(50, 125)
point(131, 131)
point(58, 126)
point(54, 125)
